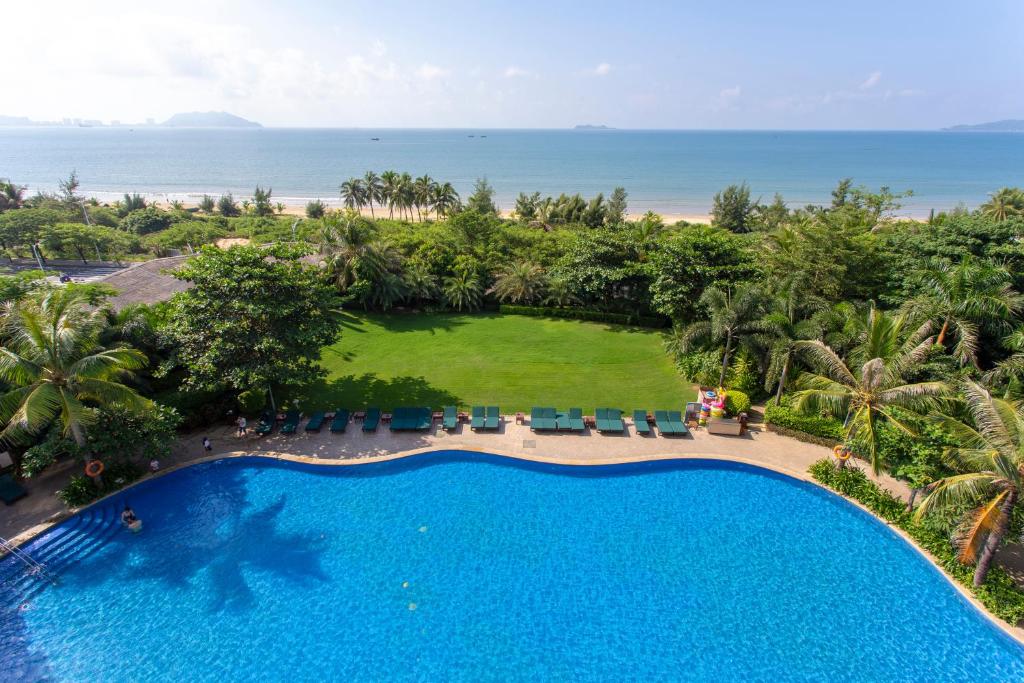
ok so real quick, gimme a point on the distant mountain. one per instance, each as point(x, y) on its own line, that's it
point(208, 119)
point(1007, 126)
point(15, 120)
point(587, 126)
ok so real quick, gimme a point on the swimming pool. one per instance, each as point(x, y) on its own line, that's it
point(466, 566)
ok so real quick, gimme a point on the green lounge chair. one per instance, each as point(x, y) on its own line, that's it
point(610, 420)
point(424, 418)
point(640, 422)
point(493, 418)
point(412, 418)
point(291, 422)
point(11, 490)
point(451, 418)
point(266, 423)
point(543, 419)
point(316, 421)
point(340, 421)
point(665, 425)
point(478, 418)
point(675, 418)
point(576, 420)
point(371, 420)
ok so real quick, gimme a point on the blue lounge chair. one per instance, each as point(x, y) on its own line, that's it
point(10, 490)
point(478, 418)
point(640, 422)
point(291, 422)
point(371, 420)
point(316, 421)
point(340, 421)
point(451, 418)
point(493, 418)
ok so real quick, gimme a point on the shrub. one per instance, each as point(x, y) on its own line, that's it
point(701, 367)
point(315, 209)
point(811, 428)
point(81, 489)
point(583, 314)
point(742, 374)
point(736, 402)
point(1000, 594)
point(252, 401)
point(145, 221)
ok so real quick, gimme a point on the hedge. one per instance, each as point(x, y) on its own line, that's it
point(583, 314)
point(736, 402)
point(1000, 594)
point(823, 431)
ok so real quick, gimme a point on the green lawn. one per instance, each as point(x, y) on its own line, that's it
point(511, 361)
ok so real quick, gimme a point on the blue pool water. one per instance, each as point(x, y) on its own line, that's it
point(460, 566)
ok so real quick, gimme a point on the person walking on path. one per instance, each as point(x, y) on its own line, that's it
point(207, 444)
point(243, 426)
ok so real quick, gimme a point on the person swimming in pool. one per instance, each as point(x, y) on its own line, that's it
point(129, 519)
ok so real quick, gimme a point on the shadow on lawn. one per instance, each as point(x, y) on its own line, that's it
point(359, 391)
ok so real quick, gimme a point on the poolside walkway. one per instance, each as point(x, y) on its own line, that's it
point(756, 446)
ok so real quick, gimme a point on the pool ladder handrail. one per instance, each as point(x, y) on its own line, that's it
point(34, 567)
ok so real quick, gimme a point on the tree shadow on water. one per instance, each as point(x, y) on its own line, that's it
point(359, 391)
point(215, 540)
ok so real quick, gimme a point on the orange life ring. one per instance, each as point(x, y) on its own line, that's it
point(841, 452)
point(94, 468)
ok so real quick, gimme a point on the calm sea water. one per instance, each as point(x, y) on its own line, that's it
point(672, 172)
point(468, 567)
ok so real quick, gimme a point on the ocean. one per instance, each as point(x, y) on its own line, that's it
point(675, 173)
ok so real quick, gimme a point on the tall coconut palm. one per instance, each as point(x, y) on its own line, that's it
point(353, 193)
point(990, 458)
point(960, 297)
point(1005, 203)
point(11, 196)
point(372, 189)
point(520, 282)
point(389, 190)
point(869, 394)
point(462, 291)
point(58, 369)
point(420, 283)
point(733, 317)
point(445, 200)
point(423, 188)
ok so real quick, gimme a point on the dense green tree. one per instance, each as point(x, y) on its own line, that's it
point(315, 209)
point(733, 317)
point(733, 209)
point(227, 206)
point(253, 318)
point(617, 207)
point(145, 221)
point(189, 235)
point(261, 201)
point(11, 196)
point(526, 206)
point(86, 241)
point(482, 199)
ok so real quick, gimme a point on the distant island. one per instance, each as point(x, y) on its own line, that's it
point(1005, 126)
point(587, 126)
point(208, 119)
point(195, 119)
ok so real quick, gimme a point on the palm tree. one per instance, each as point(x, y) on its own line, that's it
point(1011, 367)
point(389, 190)
point(352, 193)
point(733, 317)
point(59, 370)
point(343, 243)
point(420, 283)
point(876, 388)
point(445, 200)
point(990, 457)
point(520, 282)
point(11, 196)
point(373, 189)
point(560, 293)
point(423, 188)
point(462, 291)
point(961, 296)
point(1005, 203)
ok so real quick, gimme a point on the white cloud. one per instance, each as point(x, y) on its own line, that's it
point(429, 72)
point(378, 49)
point(602, 69)
point(515, 72)
point(871, 81)
point(730, 93)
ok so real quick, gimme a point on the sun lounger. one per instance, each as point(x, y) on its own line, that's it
point(478, 418)
point(665, 425)
point(411, 419)
point(640, 422)
point(675, 418)
point(291, 422)
point(316, 421)
point(562, 421)
point(609, 420)
point(493, 418)
point(371, 420)
point(576, 420)
point(266, 423)
point(543, 419)
point(10, 490)
point(451, 418)
point(340, 421)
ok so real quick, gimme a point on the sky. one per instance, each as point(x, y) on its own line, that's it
point(903, 64)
